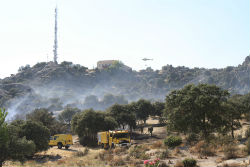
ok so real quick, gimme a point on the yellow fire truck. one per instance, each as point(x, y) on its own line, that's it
point(110, 139)
point(61, 140)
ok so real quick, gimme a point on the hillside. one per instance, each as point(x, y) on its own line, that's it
point(56, 85)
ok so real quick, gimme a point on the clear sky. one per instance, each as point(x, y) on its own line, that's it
point(193, 33)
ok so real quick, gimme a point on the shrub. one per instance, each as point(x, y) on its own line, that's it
point(117, 161)
point(173, 141)
point(82, 153)
point(192, 138)
point(163, 164)
point(247, 133)
point(138, 152)
point(204, 148)
point(157, 144)
point(119, 150)
point(248, 146)
point(164, 154)
point(189, 162)
point(230, 151)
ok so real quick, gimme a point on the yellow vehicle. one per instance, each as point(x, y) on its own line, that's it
point(61, 140)
point(110, 139)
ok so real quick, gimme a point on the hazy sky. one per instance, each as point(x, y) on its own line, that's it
point(193, 33)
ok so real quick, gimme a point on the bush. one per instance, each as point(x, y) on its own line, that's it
point(230, 151)
point(189, 162)
point(117, 161)
point(173, 141)
point(36, 132)
point(138, 152)
point(204, 148)
point(157, 144)
point(88, 141)
point(82, 153)
point(192, 138)
point(248, 146)
point(247, 133)
point(164, 154)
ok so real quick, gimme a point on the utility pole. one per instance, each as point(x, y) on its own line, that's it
point(55, 39)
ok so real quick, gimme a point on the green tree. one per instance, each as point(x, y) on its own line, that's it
point(87, 123)
point(158, 108)
point(36, 132)
point(110, 123)
point(142, 108)
point(66, 115)
point(3, 137)
point(46, 118)
point(12, 147)
point(196, 109)
point(233, 110)
point(123, 115)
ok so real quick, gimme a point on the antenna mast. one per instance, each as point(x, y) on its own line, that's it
point(55, 40)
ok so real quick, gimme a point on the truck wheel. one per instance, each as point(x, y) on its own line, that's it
point(66, 147)
point(59, 145)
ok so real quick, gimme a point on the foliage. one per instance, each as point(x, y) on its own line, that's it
point(87, 123)
point(12, 146)
point(138, 152)
point(164, 154)
point(46, 118)
point(123, 115)
point(230, 150)
point(82, 153)
point(173, 141)
point(158, 108)
point(196, 109)
point(204, 148)
point(36, 132)
point(142, 109)
point(66, 115)
point(234, 110)
point(3, 136)
point(189, 162)
point(21, 148)
point(191, 138)
point(248, 146)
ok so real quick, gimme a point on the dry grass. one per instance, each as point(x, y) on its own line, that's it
point(117, 161)
point(176, 151)
point(179, 164)
point(234, 165)
point(157, 145)
point(230, 151)
point(204, 149)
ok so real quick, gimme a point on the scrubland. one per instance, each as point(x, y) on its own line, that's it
point(219, 151)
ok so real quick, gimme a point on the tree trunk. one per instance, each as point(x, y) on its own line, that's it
point(232, 129)
point(204, 126)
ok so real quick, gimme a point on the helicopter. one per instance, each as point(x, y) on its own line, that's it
point(146, 59)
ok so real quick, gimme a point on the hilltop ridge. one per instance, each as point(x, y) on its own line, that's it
point(46, 84)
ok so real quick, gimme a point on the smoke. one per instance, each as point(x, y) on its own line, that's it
point(58, 86)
